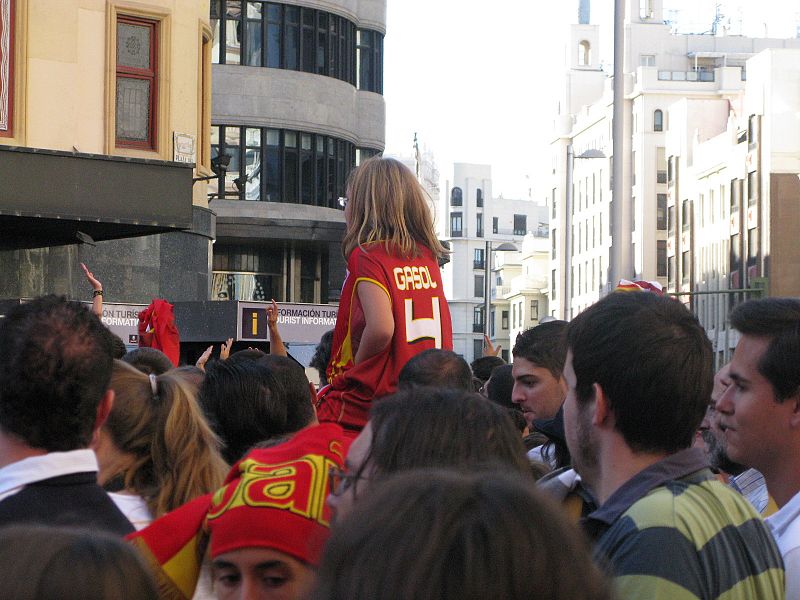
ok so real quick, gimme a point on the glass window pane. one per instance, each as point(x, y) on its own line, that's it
point(290, 139)
point(233, 32)
point(215, 14)
point(305, 141)
point(290, 169)
point(253, 164)
point(307, 181)
point(252, 137)
point(133, 109)
point(254, 10)
point(253, 56)
point(273, 137)
point(273, 174)
point(133, 45)
point(274, 45)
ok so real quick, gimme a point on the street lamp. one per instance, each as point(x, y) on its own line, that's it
point(502, 247)
point(567, 227)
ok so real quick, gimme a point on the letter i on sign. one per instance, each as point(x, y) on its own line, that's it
point(254, 321)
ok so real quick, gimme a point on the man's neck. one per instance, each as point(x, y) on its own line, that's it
point(12, 450)
point(783, 478)
point(617, 464)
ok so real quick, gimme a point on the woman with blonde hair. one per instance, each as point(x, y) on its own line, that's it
point(156, 451)
point(392, 305)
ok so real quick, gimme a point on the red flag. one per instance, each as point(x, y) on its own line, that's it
point(157, 329)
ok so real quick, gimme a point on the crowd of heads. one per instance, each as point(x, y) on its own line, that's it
point(228, 478)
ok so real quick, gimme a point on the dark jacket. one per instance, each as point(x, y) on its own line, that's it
point(73, 500)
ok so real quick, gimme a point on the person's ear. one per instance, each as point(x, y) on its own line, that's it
point(794, 417)
point(104, 409)
point(602, 410)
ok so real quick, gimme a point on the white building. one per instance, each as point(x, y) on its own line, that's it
point(661, 68)
point(734, 194)
point(470, 218)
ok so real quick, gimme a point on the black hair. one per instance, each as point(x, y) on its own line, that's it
point(437, 368)
point(483, 366)
point(653, 361)
point(248, 401)
point(55, 365)
point(498, 390)
point(779, 320)
point(148, 360)
point(486, 535)
point(322, 356)
point(118, 346)
point(543, 345)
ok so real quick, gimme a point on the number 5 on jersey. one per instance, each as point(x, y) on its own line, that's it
point(426, 327)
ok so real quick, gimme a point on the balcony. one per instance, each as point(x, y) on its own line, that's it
point(478, 264)
point(477, 328)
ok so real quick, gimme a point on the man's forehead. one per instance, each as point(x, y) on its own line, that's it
point(748, 352)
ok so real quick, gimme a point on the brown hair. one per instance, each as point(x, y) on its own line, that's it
point(486, 535)
point(176, 455)
point(387, 204)
point(52, 562)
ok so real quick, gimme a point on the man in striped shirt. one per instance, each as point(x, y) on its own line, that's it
point(639, 375)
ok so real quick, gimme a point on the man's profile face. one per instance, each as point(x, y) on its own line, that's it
point(578, 428)
point(537, 392)
point(260, 574)
point(748, 414)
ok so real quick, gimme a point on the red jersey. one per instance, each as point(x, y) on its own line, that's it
point(421, 321)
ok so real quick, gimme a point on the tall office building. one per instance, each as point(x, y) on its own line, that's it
point(661, 68)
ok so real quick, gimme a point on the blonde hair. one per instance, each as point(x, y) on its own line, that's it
point(387, 204)
point(176, 454)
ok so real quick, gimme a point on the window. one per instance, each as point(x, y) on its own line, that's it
point(752, 188)
point(520, 224)
point(478, 286)
point(752, 247)
point(477, 348)
point(671, 272)
point(479, 198)
point(584, 54)
point(278, 165)
point(495, 224)
point(456, 224)
point(136, 83)
point(248, 273)
point(456, 197)
point(7, 68)
point(671, 220)
point(283, 36)
point(552, 204)
point(478, 262)
point(477, 320)
point(661, 212)
point(534, 310)
point(504, 320)
point(737, 185)
point(553, 240)
point(686, 266)
point(735, 253)
point(661, 258)
point(479, 225)
point(647, 60)
point(658, 120)
point(514, 315)
point(553, 284)
point(752, 130)
point(369, 60)
point(686, 214)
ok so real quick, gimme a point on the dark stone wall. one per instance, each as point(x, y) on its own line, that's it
point(175, 266)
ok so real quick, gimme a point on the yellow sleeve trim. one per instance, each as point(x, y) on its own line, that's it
point(378, 283)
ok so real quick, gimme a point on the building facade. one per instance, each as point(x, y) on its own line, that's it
point(474, 222)
point(297, 104)
point(733, 206)
point(661, 68)
point(104, 122)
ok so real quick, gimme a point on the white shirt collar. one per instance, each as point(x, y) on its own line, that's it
point(15, 476)
point(780, 521)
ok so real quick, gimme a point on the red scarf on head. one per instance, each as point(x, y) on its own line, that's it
point(157, 329)
point(272, 498)
point(625, 285)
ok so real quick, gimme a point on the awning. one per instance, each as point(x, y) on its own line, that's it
point(52, 198)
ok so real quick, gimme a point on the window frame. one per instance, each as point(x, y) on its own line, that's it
point(151, 75)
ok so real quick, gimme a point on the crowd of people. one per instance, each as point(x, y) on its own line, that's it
point(608, 460)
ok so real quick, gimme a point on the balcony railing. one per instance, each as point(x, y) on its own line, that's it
point(477, 328)
point(686, 76)
point(478, 264)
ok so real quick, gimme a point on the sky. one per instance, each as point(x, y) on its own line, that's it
point(470, 77)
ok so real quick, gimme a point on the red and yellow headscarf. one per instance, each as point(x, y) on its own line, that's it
point(272, 498)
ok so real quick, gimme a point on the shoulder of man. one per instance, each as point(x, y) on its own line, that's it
point(692, 539)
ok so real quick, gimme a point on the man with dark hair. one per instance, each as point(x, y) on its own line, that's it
point(55, 367)
point(251, 398)
point(539, 387)
point(759, 413)
point(436, 368)
point(639, 374)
